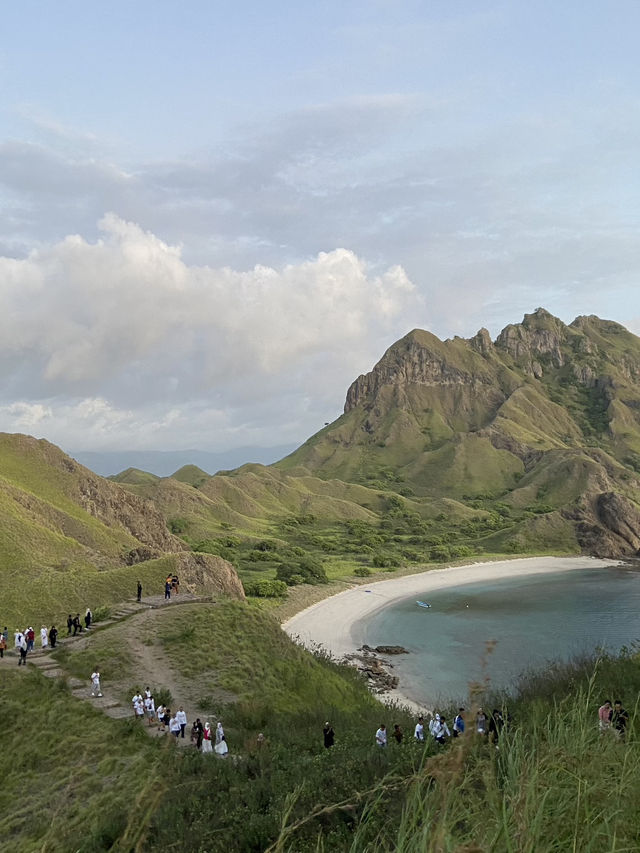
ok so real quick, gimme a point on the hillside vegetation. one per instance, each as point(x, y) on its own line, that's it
point(446, 450)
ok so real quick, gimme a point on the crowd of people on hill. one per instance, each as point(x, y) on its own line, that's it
point(24, 641)
point(611, 717)
point(201, 736)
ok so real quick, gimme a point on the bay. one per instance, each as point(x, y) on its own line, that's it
point(497, 630)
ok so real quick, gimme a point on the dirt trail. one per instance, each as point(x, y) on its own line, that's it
point(137, 624)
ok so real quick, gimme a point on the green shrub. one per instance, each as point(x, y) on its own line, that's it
point(265, 588)
point(178, 525)
point(101, 613)
point(362, 572)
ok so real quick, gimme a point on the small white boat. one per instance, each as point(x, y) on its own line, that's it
point(422, 604)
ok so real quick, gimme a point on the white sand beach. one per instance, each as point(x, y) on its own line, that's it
point(329, 623)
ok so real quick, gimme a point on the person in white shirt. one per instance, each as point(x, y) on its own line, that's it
point(433, 722)
point(44, 637)
point(96, 690)
point(419, 730)
point(181, 717)
point(381, 735)
point(147, 693)
point(137, 698)
point(149, 709)
point(174, 727)
point(138, 710)
point(440, 730)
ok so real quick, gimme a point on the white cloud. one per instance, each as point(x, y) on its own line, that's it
point(120, 338)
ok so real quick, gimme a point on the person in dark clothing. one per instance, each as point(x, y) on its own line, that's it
point(167, 589)
point(53, 636)
point(69, 624)
point(196, 733)
point(88, 616)
point(329, 735)
point(619, 719)
point(77, 624)
point(496, 724)
point(397, 733)
point(139, 591)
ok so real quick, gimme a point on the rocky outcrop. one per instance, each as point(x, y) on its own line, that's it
point(540, 337)
point(607, 525)
point(206, 574)
point(420, 359)
point(115, 506)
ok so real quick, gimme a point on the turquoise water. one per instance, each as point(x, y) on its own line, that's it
point(532, 619)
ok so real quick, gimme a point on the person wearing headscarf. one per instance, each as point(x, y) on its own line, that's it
point(44, 636)
point(221, 743)
point(206, 738)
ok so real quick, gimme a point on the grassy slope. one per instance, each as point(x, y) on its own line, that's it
point(72, 779)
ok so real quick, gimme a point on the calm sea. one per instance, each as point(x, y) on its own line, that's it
point(532, 620)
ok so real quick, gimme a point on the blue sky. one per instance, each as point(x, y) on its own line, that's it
point(216, 215)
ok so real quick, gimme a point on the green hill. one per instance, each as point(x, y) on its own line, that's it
point(192, 475)
point(547, 415)
point(69, 538)
point(134, 476)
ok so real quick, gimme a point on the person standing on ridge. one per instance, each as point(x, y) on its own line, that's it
point(53, 636)
point(329, 735)
point(139, 591)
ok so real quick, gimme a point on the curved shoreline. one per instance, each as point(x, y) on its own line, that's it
point(329, 623)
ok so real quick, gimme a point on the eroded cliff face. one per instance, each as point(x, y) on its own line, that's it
point(206, 574)
point(607, 525)
point(421, 359)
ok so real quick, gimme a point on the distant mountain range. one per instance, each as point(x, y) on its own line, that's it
point(163, 463)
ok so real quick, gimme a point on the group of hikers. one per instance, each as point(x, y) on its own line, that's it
point(24, 641)
point(171, 584)
point(611, 717)
point(176, 723)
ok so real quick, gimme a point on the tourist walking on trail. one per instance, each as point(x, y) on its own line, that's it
point(329, 735)
point(88, 616)
point(381, 736)
point(139, 598)
point(440, 730)
point(418, 732)
point(53, 636)
point(21, 644)
point(149, 709)
point(44, 637)
point(69, 624)
point(160, 716)
point(181, 717)
point(77, 624)
point(619, 719)
point(481, 722)
point(31, 638)
point(398, 734)
point(221, 742)
point(458, 723)
point(175, 584)
point(207, 746)
point(605, 712)
point(167, 589)
point(496, 724)
point(96, 689)
point(174, 727)
point(3, 645)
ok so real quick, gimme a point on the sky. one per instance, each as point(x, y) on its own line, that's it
point(215, 216)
